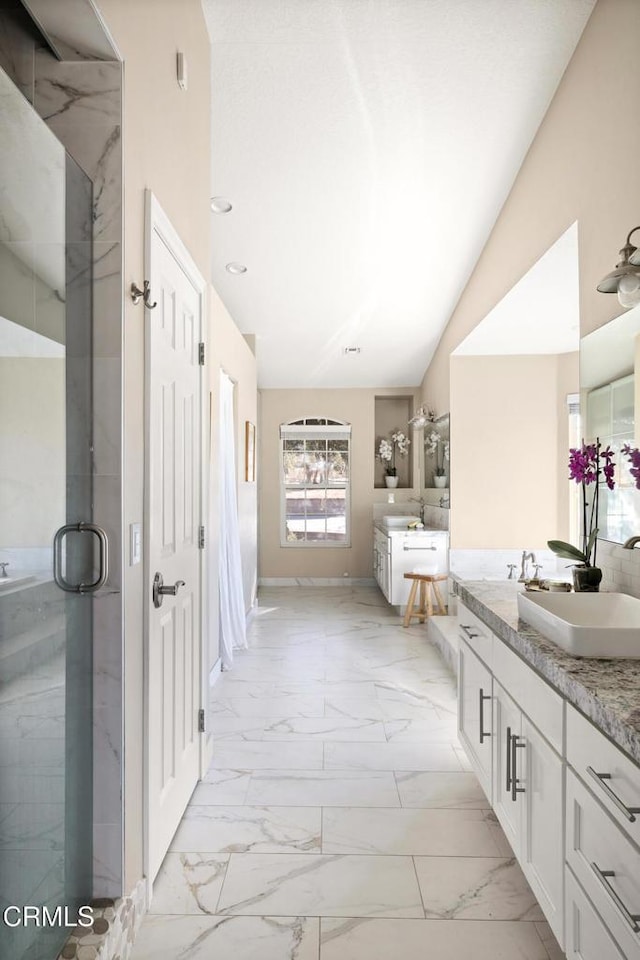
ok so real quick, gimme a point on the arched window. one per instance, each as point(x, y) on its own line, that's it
point(315, 472)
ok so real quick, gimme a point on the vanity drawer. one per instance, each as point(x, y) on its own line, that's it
point(606, 864)
point(617, 787)
point(587, 938)
point(475, 633)
point(532, 694)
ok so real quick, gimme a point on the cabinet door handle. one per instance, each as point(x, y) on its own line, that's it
point(508, 759)
point(467, 629)
point(407, 546)
point(515, 746)
point(603, 876)
point(483, 696)
point(600, 778)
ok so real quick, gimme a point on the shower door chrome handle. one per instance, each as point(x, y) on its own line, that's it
point(103, 569)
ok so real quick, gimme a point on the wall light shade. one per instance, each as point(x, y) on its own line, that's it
point(422, 417)
point(625, 279)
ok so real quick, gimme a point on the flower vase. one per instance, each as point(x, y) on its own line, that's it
point(586, 579)
point(391, 482)
point(440, 482)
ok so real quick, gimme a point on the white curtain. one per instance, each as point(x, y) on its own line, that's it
point(233, 624)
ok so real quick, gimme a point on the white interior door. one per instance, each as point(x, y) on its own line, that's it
point(174, 510)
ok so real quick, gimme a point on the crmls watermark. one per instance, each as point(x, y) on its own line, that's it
point(44, 917)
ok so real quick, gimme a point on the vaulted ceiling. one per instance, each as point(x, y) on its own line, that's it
point(366, 147)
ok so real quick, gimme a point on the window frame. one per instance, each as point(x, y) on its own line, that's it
point(304, 430)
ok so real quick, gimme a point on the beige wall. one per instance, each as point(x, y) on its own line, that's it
point(357, 407)
point(167, 149)
point(508, 439)
point(575, 170)
point(32, 451)
point(231, 352)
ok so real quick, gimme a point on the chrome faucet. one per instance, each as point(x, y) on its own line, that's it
point(511, 567)
point(422, 503)
point(630, 543)
point(4, 575)
point(524, 569)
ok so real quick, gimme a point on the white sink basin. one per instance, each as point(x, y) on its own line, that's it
point(397, 522)
point(585, 624)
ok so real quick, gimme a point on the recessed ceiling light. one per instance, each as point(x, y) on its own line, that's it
point(221, 205)
point(351, 351)
point(234, 267)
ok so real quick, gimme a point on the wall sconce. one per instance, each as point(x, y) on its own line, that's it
point(625, 279)
point(422, 417)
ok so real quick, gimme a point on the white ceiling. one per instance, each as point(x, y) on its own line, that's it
point(367, 147)
point(541, 314)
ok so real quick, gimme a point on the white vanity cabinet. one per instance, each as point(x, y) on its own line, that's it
point(396, 552)
point(518, 760)
point(603, 836)
point(475, 685)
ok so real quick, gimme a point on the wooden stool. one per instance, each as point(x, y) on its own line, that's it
point(427, 581)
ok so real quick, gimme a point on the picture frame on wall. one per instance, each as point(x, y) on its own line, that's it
point(249, 452)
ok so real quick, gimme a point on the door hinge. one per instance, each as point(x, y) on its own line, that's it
point(201, 354)
point(200, 721)
point(201, 538)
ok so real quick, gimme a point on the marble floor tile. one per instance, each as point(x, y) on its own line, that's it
point(261, 755)
point(230, 686)
point(258, 671)
point(340, 806)
point(244, 829)
point(323, 788)
point(223, 938)
point(324, 688)
point(434, 833)
point(475, 888)
point(226, 787)
point(390, 756)
point(189, 883)
point(357, 708)
point(330, 886)
point(267, 707)
point(332, 728)
point(459, 790)
point(237, 728)
point(361, 939)
point(419, 731)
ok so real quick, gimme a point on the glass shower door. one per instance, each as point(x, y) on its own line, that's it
point(45, 484)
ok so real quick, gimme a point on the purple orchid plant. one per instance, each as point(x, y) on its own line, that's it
point(589, 466)
point(634, 456)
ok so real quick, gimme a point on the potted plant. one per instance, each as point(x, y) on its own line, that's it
point(387, 450)
point(589, 466)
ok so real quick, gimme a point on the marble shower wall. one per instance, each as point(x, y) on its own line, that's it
point(81, 102)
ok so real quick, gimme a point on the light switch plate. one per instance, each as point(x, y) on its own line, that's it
point(135, 543)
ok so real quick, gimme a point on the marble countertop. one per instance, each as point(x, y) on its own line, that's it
point(606, 691)
point(403, 531)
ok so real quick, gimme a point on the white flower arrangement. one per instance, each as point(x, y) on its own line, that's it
point(434, 446)
point(387, 450)
point(431, 443)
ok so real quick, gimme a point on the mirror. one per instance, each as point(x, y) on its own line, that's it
point(436, 454)
point(609, 358)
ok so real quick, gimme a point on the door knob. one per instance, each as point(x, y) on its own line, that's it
point(160, 591)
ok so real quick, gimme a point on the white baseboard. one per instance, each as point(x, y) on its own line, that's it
point(316, 582)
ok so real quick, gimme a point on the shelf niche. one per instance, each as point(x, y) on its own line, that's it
point(391, 415)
